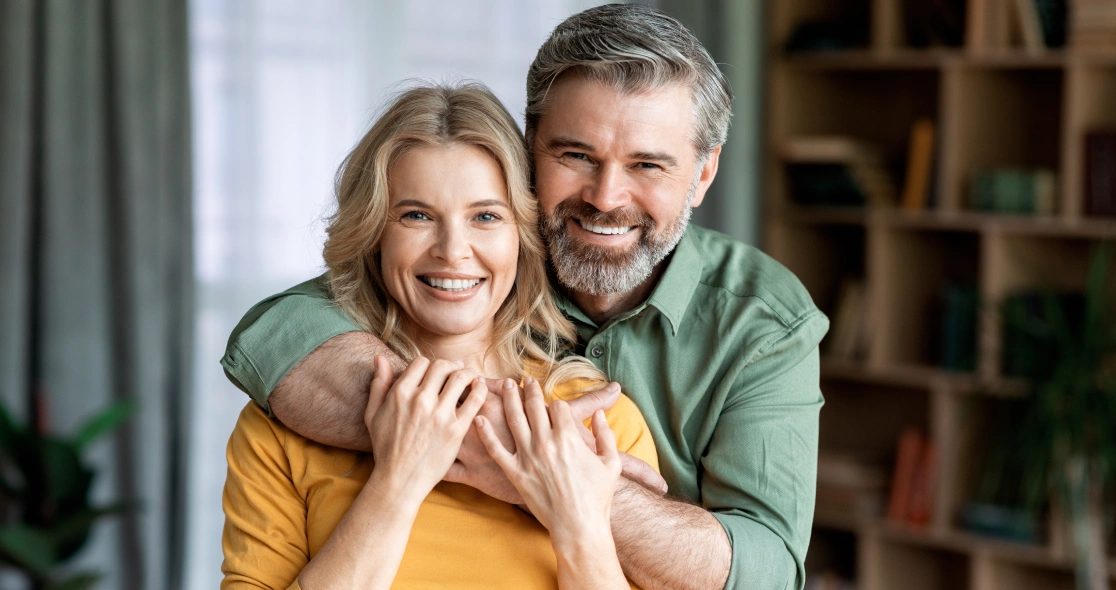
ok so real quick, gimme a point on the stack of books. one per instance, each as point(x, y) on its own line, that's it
point(1093, 25)
point(850, 485)
point(837, 170)
point(1016, 191)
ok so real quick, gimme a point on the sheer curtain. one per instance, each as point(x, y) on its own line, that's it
point(281, 90)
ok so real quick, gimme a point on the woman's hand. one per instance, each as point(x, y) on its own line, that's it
point(567, 486)
point(416, 423)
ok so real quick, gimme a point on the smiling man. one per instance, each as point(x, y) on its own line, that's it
point(715, 343)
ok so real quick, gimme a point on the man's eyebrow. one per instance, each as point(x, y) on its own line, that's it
point(661, 157)
point(567, 142)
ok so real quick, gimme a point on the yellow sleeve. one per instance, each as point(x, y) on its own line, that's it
point(264, 541)
point(632, 434)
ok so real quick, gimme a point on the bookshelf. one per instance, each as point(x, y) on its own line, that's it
point(995, 104)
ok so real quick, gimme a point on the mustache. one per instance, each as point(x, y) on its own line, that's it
point(576, 208)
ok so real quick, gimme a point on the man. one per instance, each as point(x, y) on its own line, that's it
point(715, 342)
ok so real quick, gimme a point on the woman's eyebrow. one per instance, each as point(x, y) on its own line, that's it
point(489, 203)
point(410, 203)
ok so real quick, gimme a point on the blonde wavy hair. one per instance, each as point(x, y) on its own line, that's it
point(531, 333)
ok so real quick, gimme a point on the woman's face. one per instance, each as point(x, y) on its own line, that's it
point(450, 246)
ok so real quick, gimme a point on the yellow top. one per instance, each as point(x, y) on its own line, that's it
point(285, 494)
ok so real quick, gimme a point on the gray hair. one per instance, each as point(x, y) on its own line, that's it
point(633, 48)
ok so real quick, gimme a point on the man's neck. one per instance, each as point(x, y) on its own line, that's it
point(601, 308)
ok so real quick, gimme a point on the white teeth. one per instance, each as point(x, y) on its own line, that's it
point(450, 284)
point(600, 229)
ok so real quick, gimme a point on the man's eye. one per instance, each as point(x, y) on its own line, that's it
point(415, 216)
point(576, 155)
point(649, 166)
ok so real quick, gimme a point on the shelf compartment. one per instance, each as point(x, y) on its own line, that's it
point(885, 564)
point(820, 256)
point(998, 118)
point(1090, 95)
point(915, 267)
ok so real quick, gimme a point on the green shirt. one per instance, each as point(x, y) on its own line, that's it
point(722, 360)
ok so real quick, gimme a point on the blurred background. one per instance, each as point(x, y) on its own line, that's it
point(941, 174)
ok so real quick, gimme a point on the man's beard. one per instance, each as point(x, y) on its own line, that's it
point(597, 270)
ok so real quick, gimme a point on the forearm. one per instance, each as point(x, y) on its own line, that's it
point(588, 560)
point(665, 543)
point(367, 546)
point(324, 396)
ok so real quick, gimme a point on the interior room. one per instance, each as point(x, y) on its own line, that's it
point(938, 175)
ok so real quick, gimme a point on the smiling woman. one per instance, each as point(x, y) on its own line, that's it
point(435, 249)
point(448, 252)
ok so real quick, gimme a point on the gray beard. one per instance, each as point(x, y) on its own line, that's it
point(598, 271)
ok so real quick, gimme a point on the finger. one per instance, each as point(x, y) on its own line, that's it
point(382, 379)
point(437, 374)
point(457, 473)
point(473, 403)
point(561, 418)
point(606, 441)
point(640, 472)
point(513, 412)
point(495, 448)
point(601, 399)
point(587, 437)
point(455, 387)
point(535, 406)
point(412, 375)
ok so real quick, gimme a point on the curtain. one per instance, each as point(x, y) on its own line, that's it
point(95, 253)
point(732, 31)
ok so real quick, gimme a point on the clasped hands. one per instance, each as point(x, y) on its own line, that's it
point(507, 413)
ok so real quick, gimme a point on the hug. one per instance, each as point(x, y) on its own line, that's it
point(441, 409)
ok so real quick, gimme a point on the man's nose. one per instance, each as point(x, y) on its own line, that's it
point(609, 189)
point(453, 243)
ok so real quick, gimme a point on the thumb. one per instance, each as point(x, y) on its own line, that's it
point(583, 407)
point(382, 380)
point(640, 472)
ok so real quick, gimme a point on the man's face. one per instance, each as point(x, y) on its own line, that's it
point(616, 176)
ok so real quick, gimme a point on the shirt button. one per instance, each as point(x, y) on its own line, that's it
point(596, 352)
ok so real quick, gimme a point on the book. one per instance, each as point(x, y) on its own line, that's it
point(837, 170)
point(850, 484)
point(960, 307)
point(1015, 191)
point(1030, 27)
point(920, 160)
point(920, 508)
point(848, 336)
point(1100, 173)
point(908, 455)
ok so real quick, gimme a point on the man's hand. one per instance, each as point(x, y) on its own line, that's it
point(476, 468)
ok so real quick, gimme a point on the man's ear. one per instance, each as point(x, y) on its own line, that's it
point(705, 177)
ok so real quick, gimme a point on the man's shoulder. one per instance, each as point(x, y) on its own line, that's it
point(738, 275)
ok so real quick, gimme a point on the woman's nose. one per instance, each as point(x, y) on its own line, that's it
point(453, 243)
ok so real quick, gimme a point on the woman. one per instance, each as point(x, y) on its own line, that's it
point(434, 248)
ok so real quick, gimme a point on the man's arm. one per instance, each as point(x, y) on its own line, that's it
point(666, 543)
point(324, 396)
point(758, 477)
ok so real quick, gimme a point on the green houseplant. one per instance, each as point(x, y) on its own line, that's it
point(1065, 347)
point(45, 510)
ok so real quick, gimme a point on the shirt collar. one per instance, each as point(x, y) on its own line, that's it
point(679, 281)
point(671, 295)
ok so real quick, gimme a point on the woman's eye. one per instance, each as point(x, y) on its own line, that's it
point(487, 216)
point(415, 216)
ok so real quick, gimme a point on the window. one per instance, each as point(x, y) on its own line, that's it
point(282, 89)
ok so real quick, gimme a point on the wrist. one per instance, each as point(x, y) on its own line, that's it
point(396, 491)
point(585, 540)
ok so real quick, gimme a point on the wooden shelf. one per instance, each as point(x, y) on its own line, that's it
point(954, 221)
point(955, 541)
point(993, 106)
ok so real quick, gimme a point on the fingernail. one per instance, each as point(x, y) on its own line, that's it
point(528, 380)
point(479, 421)
point(508, 383)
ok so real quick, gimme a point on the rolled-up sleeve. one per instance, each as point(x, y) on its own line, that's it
point(760, 469)
point(277, 333)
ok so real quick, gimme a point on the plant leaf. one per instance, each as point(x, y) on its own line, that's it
point(106, 421)
point(27, 547)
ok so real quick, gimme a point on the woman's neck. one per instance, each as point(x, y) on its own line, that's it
point(470, 349)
